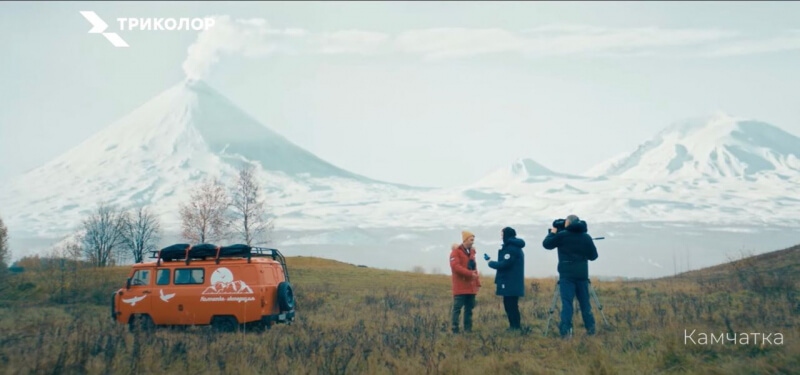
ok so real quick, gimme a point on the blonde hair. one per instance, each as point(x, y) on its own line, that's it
point(455, 246)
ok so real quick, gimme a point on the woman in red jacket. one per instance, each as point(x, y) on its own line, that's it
point(465, 280)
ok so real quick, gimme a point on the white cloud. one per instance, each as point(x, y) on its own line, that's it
point(250, 37)
point(551, 40)
point(254, 37)
point(628, 40)
point(352, 41)
point(787, 42)
point(442, 43)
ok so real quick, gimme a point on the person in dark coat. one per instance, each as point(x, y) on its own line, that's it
point(575, 250)
point(510, 278)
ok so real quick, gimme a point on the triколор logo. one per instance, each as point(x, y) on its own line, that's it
point(147, 24)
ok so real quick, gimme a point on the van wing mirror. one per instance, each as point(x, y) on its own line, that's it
point(128, 284)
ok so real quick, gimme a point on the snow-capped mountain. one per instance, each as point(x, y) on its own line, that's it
point(717, 169)
point(521, 170)
point(158, 152)
point(717, 147)
point(185, 125)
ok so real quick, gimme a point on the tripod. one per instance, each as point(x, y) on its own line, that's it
point(592, 293)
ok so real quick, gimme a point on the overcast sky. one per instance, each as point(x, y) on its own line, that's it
point(434, 94)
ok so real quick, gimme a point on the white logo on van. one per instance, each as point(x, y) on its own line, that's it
point(166, 297)
point(222, 282)
point(133, 300)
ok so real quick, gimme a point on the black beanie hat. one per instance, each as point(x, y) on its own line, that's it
point(509, 232)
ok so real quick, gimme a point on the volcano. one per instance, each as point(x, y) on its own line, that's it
point(155, 154)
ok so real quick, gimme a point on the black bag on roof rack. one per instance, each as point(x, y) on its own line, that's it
point(207, 250)
point(204, 250)
point(238, 250)
point(176, 251)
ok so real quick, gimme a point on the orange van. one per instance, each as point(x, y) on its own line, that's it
point(225, 287)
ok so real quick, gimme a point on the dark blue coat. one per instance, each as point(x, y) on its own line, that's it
point(575, 249)
point(510, 266)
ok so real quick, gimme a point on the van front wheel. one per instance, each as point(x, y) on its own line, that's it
point(142, 323)
point(285, 296)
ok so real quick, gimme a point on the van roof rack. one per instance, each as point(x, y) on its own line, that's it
point(187, 252)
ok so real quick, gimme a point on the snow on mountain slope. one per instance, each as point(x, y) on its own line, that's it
point(598, 170)
point(521, 170)
point(158, 152)
point(721, 170)
point(188, 121)
point(717, 147)
point(715, 169)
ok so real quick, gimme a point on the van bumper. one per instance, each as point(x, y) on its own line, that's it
point(279, 318)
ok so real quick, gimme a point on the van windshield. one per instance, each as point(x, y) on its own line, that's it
point(141, 277)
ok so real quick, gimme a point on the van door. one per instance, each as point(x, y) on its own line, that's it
point(189, 285)
point(138, 299)
point(270, 290)
point(165, 307)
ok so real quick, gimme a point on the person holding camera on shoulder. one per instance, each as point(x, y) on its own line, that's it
point(510, 278)
point(575, 249)
point(465, 280)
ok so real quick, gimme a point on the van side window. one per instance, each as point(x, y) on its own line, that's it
point(190, 276)
point(162, 277)
point(141, 277)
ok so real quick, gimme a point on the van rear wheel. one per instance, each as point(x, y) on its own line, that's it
point(224, 323)
point(285, 296)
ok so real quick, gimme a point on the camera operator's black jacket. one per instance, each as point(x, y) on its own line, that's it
point(575, 248)
point(510, 266)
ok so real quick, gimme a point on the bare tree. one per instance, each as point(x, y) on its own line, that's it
point(203, 218)
point(141, 233)
point(5, 252)
point(103, 237)
point(249, 221)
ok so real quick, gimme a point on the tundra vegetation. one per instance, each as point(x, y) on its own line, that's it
point(55, 318)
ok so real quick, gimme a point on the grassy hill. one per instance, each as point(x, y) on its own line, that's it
point(784, 262)
point(361, 320)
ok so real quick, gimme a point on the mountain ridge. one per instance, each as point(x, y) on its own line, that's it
point(156, 153)
point(718, 146)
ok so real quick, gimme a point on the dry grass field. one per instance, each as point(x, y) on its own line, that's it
point(56, 319)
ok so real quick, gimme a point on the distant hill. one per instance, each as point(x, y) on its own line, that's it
point(780, 263)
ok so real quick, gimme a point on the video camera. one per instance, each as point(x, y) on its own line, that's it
point(559, 224)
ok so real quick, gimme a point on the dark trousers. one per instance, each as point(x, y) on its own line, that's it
point(571, 288)
point(511, 305)
point(467, 302)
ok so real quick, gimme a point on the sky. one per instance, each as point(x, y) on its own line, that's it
point(427, 94)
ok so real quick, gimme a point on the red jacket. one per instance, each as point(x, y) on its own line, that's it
point(463, 283)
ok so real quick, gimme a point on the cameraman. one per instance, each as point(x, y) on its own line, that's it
point(575, 249)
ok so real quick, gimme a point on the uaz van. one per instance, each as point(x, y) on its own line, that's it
point(207, 284)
